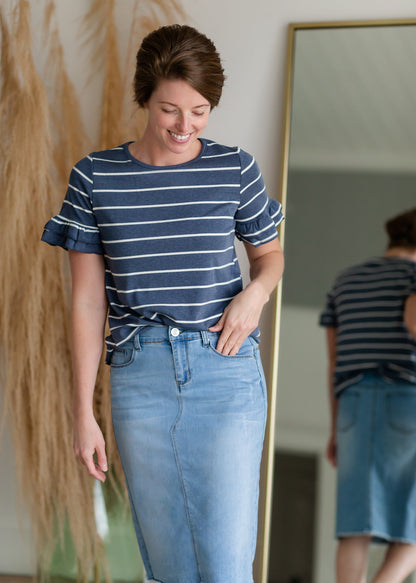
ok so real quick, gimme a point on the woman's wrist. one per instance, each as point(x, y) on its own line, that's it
point(257, 287)
point(82, 408)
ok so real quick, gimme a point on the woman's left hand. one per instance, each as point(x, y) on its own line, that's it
point(240, 318)
point(242, 314)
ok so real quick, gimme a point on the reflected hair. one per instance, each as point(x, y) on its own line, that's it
point(178, 52)
point(401, 230)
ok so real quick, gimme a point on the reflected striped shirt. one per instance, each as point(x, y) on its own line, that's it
point(167, 234)
point(366, 306)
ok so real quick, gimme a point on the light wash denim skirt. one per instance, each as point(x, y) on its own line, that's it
point(376, 453)
point(189, 424)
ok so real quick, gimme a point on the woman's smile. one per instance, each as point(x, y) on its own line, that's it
point(177, 116)
point(179, 137)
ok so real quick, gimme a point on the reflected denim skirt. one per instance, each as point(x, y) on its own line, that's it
point(376, 453)
point(189, 424)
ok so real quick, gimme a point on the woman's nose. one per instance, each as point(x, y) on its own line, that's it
point(182, 123)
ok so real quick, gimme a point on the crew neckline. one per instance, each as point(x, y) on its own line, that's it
point(130, 157)
point(396, 258)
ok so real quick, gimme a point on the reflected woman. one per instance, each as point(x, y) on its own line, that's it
point(370, 317)
point(150, 227)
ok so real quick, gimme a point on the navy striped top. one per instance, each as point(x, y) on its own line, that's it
point(166, 233)
point(366, 306)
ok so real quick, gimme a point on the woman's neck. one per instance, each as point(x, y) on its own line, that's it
point(402, 252)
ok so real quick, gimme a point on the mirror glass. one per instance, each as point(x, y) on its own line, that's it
point(349, 163)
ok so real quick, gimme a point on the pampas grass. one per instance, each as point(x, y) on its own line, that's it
point(101, 27)
point(70, 141)
point(43, 135)
point(34, 308)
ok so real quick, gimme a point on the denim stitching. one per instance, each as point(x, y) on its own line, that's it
point(262, 385)
point(182, 481)
point(143, 549)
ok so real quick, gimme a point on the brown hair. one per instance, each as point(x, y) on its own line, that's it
point(178, 52)
point(402, 230)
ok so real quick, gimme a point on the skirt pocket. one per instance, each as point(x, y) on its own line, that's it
point(122, 356)
point(247, 349)
point(401, 411)
point(347, 410)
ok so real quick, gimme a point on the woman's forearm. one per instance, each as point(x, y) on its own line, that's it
point(331, 450)
point(266, 271)
point(332, 356)
point(88, 315)
point(87, 345)
point(333, 401)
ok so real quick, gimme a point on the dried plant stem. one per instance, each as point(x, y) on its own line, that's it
point(34, 329)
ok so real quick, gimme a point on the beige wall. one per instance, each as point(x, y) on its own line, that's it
point(251, 37)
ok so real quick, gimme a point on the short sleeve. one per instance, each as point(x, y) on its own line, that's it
point(328, 316)
point(257, 216)
point(412, 283)
point(75, 227)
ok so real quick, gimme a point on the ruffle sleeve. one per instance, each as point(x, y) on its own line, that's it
point(258, 216)
point(328, 315)
point(262, 228)
point(75, 226)
point(63, 234)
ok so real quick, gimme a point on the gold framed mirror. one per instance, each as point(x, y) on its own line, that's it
point(348, 163)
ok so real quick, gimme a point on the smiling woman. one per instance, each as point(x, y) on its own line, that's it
point(177, 116)
point(150, 226)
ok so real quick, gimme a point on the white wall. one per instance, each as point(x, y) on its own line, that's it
point(251, 37)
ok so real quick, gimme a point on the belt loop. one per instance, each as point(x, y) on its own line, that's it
point(204, 336)
point(136, 340)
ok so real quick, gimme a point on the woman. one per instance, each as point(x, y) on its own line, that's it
point(371, 330)
point(150, 229)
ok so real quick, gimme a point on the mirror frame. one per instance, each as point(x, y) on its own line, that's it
point(267, 473)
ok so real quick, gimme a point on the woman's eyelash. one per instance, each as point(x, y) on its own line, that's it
point(197, 113)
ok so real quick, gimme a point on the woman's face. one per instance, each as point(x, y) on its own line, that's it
point(177, 115)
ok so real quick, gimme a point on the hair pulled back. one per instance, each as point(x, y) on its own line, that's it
point(401, 230)
point(178, 52)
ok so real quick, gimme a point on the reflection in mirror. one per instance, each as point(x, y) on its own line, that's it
point(349, 164)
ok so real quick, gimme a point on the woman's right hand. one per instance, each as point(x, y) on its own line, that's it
point(89, 440)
